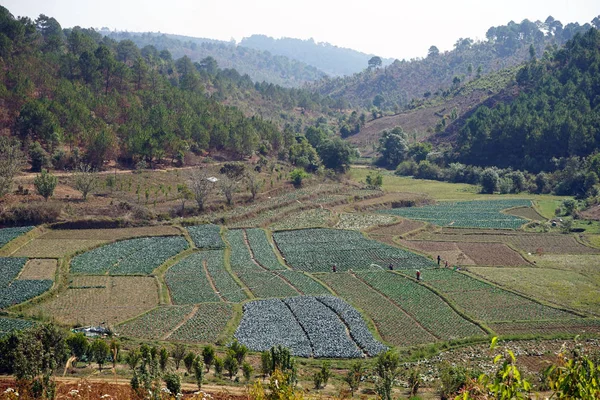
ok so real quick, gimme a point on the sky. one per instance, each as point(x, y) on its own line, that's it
point(395, 29)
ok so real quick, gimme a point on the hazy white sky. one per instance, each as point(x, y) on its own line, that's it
point(396, 29)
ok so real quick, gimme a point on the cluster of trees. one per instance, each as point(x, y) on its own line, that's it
point(402, 81)
point(556, 114)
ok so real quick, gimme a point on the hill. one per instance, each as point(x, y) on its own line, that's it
point(396, 85)
point(259, 65)
point(334, 60)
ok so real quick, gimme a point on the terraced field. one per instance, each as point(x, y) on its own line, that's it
point(8, 325)
point(39, 269)
point(206, 236)
point(477, 214)
point(317, 326)
point(14, 291)
point(486, 302)
point(155, 324)
point(8, 234)
point(189, 282)
point(227, 288)
point(317, 250)
point(205, 325)
point(129, 257)
point(360, 221)
point(317, 217)
point(580, 326)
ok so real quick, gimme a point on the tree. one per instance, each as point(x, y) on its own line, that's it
point(115, 348)
point(228, 188)
point(208, 356)
point(11, 161)
point(86, 180)
point(247, 371)
point(100, 352)
point(78, 344)
point(238, 350)
point(39, 157)
point(219, 365)
point(173, 383)
point(433, 51)
point(322, 376)
point(185, 194)
point(489, 181)
point(201, 186)
point(45, 183)
point(393, 147)
point(387, 368)
point(336, 154)
point(100, 147)
point(178, 354)
point(375, 62)
point(297, 176)
point(378, 101)
point(231, 364)
point(163, 359)
point(188, 361)
point(198, 369)
point(254, 184)
point(355, 376)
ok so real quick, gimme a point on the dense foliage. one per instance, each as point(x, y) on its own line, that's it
point(556, 114)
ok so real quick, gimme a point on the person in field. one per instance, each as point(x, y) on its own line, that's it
point(418, 275)
point(446, 265)
point(439, 260)
point(391, 267)
point(333, 268)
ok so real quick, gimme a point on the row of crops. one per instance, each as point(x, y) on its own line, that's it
point(199, 324)
point(317, 250)
point(466, 214)
point(8, 325)
point(309, 326)
point(206, 236)
point(8, 234)
point(486, 302)
point(14, 291)
point(188, 281)
point(138, 256)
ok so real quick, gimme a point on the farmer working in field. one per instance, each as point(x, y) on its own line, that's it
point(439, 259)
point(418, 275)
point(334, 268)
point(391, 267)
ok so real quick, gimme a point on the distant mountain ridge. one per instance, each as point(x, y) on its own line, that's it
point(259, 65)
point(333, 60)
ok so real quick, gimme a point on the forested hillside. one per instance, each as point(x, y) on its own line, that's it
point(331, 59)
point(259, 65)
point(556, 114)
point(398, 84)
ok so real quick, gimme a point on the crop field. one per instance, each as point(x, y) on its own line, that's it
point(316, 250)
point(14, 291)
point(205, 325)
point(569, 326)
point(360, 221)
point(95, 299)
point(526, 212)
point(263, 250)
point(457, 253)
point(308, 326)
point(39, 269)
point(261, 282)
point(584, 264)
point(206, 236)
point(486, 302)
point(188, 281)
point(8, 234)
point(477, 214)
point(304, 283)
point(393, 324)
point(427, 308)
point(227, 287)
point(551, 243)
point(111, 234)
point(129, 257)
point(316, 217)
point(56, 248)
point(8, 325)
point(155, 324)
point(566, 288)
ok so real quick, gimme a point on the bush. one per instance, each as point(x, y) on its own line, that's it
point(505, 185)
point(427, 170)
point(233, 170)
point(31, 214)
point(39, 157)
point(173, 382)
point(297, 176)
point(45, 183)
point(489, 181)
point(406, 168)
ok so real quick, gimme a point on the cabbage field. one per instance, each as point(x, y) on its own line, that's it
point(308, 326)
point(206, 236)
point(466, 214)
point(8, 234)
point(188, 281)
point(8, 325)
point(317, 250)
point(14, 291)
point(129, 257)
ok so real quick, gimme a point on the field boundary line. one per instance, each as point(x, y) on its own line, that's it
point(164, 292)
point(185, 319)
point(276, 251)
point(227, 266)
point(16, 244)
point(450, 303)
point(312, 348)
point(397, 306)
point(186, 235)
point(348, 330)
point(211, 282)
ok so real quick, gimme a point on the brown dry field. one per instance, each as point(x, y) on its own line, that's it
point(526, 212)
point(56, 248)
point(120, 299)
point(528, 242)
point(398, 229)
point(576, 326)
point(489, 254)
point(39, 269)
point(111, 234)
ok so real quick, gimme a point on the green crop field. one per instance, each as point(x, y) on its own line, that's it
point(317, 250)
point(228, 289)
point(263, 251)
point(188, 281)
point(155, 324)
point(14, 291)
point(129, 257)
point(467, 214)
point(8, 325)
point(8, 234)
point(205, 325)
point(206, 236)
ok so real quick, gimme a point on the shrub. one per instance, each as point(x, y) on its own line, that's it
point(31, 213)
point(406, 168)
point(427, 170)
point(39, 157)
point(489, 181)
point(45, 183)
point(297, 176)
point(173, 382)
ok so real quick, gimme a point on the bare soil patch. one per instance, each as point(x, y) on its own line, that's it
point(39, 269)
point(97, 299)
point(111, 234)
point(526, 212)
point(56, 248)
point(401, 228)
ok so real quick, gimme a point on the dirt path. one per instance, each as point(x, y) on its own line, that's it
point(179, 325)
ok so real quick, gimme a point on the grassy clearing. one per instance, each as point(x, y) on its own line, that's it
point(584, 264)
point(566, 288)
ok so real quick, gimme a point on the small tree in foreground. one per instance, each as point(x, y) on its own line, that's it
point(100, 352)
point(198, 368)
point(297, 176)
point(11, 161)
point(387, 368)
point(45, 183)
point(208, 356)
point(355, 376)
point(86, 180)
